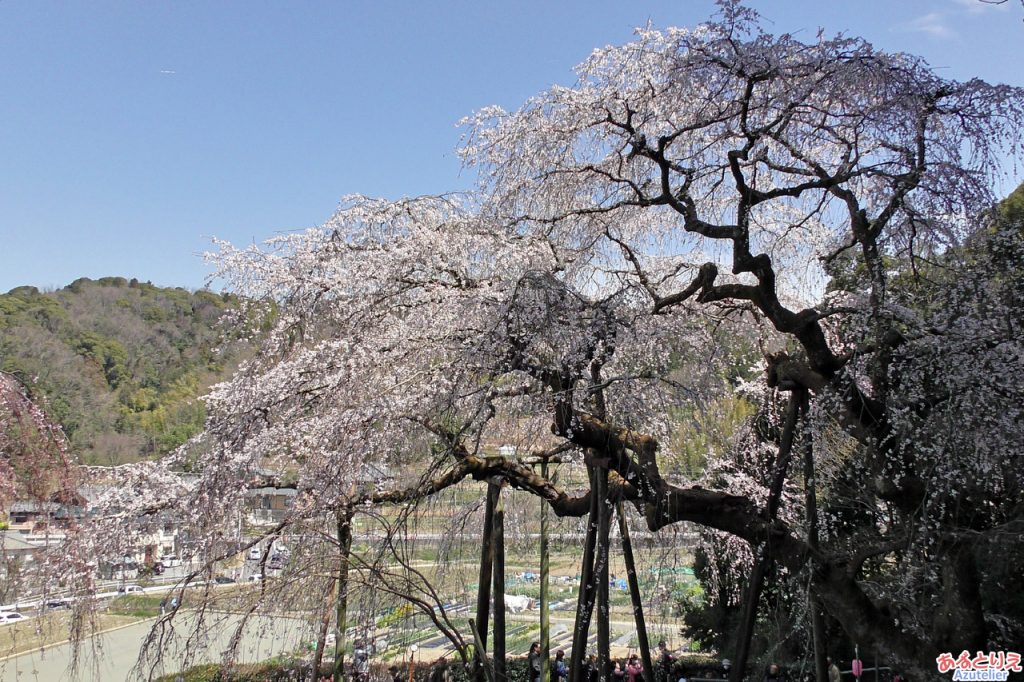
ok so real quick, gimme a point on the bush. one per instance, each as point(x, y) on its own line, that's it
point(288, 669)
point(269, 671)
point(696, 665)
point(200, 673)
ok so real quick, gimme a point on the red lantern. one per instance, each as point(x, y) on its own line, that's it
point(858, 667)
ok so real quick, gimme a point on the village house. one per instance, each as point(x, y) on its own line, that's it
point(42, 523)
point(269, 505)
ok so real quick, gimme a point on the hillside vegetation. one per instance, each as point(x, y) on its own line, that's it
point(119, 363)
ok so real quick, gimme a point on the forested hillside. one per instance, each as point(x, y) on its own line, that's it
point(119, 363)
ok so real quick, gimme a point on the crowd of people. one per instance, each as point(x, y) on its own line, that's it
point(667, 668)
point(630, 669)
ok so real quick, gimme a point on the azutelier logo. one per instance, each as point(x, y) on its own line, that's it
point(987, 666)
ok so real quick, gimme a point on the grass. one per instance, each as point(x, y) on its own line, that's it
point(519, 638)
point(50, 629)
point(137, 605)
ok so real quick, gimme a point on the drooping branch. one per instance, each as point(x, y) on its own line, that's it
point(417, 590)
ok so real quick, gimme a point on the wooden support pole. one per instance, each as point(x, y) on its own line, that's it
point(601, 574)
point(481, 652)
point(811, 505)
point(483, 595)
point(345, 548)
point(634, 594)
point(545, 589)
point(325, 626)
point(585, 599)
point(746, 632)
point(499, 587)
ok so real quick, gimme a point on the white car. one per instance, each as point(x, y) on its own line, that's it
point(130, 589)
point(8, 617)
point(170, 560)
point(255, 553)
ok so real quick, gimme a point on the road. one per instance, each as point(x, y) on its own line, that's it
point(105, 589)
point(118, 650)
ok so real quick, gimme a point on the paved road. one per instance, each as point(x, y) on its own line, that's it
point(118, 650)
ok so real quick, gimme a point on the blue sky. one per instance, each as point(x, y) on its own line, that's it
point(132, 132)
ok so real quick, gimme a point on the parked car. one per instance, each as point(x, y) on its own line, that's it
point(255, 577)
point(130, 589)
point(8, 617)
point(57, 604)
point(255, 553)
point(170, 561)
point(224, 580)
point(126, 569)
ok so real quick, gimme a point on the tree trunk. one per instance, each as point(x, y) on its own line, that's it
point(634, 591)
point(846, 601)
point(499, 587)
point(585, 598)
point(483, 595)
point(959, 622)
point(345, 547)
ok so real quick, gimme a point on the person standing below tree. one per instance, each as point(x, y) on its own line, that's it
point(665, 661)
point(361, 661)
point(635, 669)
point(559, 671)
point(439, 673)
point(533, 659)
point(833, 670)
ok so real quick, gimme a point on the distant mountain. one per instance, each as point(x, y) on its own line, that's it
point(119, 363)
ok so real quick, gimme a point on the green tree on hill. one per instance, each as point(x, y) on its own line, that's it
point(121, 363)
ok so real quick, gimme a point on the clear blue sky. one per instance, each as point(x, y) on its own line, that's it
point(132, 132)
